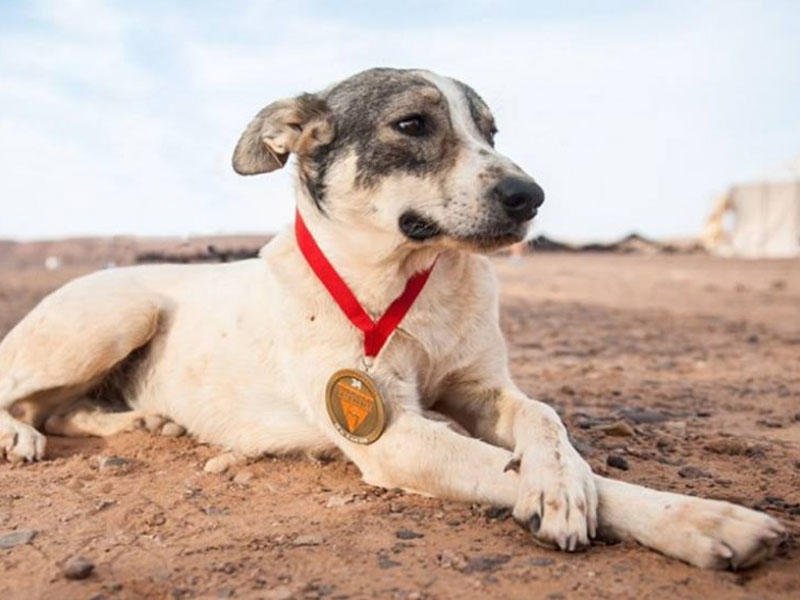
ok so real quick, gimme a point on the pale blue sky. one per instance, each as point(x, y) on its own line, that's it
point(120, 117)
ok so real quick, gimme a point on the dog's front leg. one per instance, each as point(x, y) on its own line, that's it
point(706, 533)
point(556, 497)
point(428, 457)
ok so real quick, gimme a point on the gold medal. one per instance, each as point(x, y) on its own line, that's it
point(355, 406)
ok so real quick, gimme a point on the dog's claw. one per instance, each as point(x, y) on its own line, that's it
point(534, 523)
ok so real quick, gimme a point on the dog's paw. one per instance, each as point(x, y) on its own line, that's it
point(20, 442)
point(717, 535)
point(557, 498)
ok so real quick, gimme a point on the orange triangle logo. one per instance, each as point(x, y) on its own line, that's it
point(354, 414)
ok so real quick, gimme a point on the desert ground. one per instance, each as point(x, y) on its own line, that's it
point(681, 370)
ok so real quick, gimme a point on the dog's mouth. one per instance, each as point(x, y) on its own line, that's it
point(419, 228)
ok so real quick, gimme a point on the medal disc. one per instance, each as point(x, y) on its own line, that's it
point(355, 406)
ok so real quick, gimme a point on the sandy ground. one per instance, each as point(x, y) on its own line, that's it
point(700, 356)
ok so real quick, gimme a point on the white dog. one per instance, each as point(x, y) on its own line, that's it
point(399, 188)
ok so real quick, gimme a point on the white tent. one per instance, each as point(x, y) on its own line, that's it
point(766, 217)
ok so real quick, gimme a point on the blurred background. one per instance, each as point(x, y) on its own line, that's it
point(120, 117)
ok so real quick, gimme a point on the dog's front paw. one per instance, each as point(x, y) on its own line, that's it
point(716, 535)
point(557, 499)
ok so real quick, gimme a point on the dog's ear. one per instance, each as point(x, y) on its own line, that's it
point(298, 125)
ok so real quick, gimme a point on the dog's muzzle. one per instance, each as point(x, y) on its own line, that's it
point(520, 197)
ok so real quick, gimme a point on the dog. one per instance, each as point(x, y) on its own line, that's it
point(397, 175)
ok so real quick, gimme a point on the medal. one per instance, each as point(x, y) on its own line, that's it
point(352, 397)
point(355, 406)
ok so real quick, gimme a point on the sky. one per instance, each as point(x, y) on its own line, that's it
point(121, 117)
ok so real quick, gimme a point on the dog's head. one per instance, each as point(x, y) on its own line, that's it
point(406, 152)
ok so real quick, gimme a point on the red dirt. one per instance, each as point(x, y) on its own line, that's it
point(710, 348)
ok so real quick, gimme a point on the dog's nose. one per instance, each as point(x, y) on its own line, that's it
point(520, 197)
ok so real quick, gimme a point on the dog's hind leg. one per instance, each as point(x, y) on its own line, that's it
point(86, 419)
point(64, 348)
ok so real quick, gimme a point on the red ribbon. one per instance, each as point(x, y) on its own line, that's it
point(375, 332)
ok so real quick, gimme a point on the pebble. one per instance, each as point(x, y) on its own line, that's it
point(308, 540)
point(339, 500)
point(114, 464)
point(486, 563)
point(407, 534)
point(243, 477)
point(17, 538)
point(618, 462)
point(690, 472)
point(450, 559)
point(618, 429)
point(222, 462)
point(78, 567)
point(171, 429)
point(730, 446)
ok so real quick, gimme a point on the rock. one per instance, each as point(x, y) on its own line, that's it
point(486, 563)
point(243, 477)
point(339, 500)
point(17, 538)
point(407, 534)
point(384, 562)
point(171, 429)
point(690, 472)
point(617, 429)
point(308, 540)
point(541, 562)
point(639, 416)
point(222, 462)
point(449, 559)
point(114, 464)
point(729, 446)
point(618, 462)
point(78, 567)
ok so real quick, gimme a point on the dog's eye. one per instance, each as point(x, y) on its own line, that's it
point(413, 125)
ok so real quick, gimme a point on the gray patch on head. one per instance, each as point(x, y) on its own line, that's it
point(362, 106)
point(479, 111)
